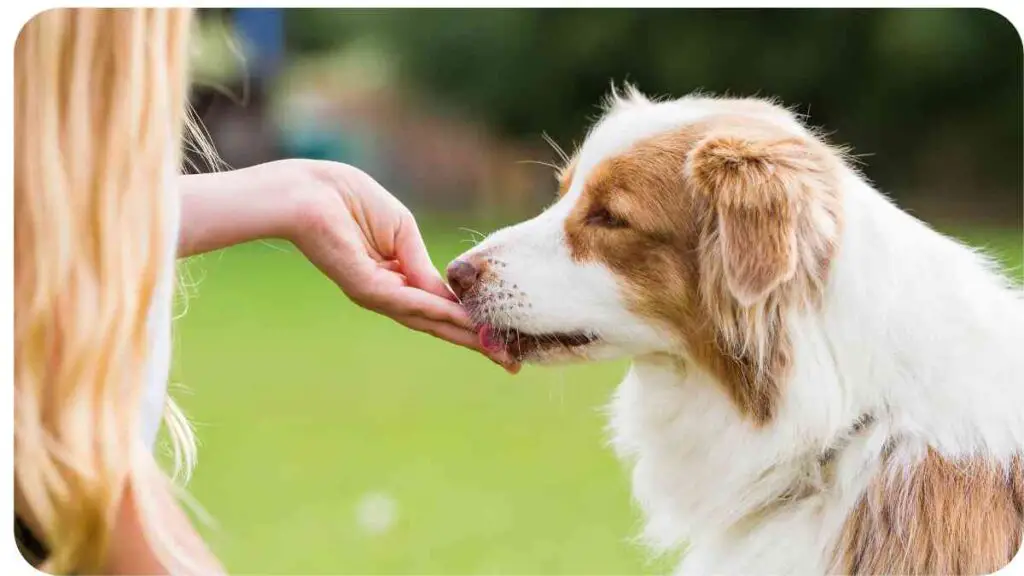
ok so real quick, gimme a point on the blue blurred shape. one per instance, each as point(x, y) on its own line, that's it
point(321, 144)
point(262, 30)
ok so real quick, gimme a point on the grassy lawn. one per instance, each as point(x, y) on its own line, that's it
point(335, 441)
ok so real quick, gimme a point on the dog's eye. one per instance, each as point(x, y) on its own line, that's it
point(605, 219)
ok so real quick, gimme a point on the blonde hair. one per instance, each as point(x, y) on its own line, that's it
point(100, 100)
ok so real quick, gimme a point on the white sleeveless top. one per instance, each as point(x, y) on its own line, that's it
point(160, 315)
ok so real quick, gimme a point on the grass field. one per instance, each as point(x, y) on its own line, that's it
point(335, 441)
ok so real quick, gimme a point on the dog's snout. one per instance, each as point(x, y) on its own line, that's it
point(462, 276)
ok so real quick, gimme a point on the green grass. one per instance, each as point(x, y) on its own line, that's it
point(306, 404)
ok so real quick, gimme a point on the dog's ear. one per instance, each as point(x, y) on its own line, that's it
point(754, 188)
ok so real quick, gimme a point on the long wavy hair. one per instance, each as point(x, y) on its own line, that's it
point(100, 107)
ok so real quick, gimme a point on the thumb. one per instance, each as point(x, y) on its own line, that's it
point(415, 260)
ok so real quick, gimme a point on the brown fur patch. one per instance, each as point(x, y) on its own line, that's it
point(937, 517)
point(730, 222)
point(756, 213)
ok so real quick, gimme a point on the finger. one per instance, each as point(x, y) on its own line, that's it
point(409, 301)
point(448, 332)
point(461, 337)
point(415, 260)
point(391, 265)
point(373, 287)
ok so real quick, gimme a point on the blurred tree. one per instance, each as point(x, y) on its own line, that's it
point(935, 96)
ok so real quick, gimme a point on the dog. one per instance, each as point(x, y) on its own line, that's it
point(820, 383)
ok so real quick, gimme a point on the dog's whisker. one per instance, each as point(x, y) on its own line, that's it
point(540, 163)
point(558, 149)
point(475, 233)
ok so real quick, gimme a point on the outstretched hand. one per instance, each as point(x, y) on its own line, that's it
point(368, 243)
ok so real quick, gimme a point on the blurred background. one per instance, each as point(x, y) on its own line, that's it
point(334, 441)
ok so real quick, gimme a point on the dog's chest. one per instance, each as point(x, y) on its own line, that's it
point(697, 473)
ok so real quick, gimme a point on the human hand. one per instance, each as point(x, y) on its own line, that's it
point(368, 243)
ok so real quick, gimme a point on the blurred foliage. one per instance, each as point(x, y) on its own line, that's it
point(915, 88)
point(215, 55)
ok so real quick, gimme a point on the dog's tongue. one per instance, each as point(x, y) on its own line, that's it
point(498, 348)
point(489, 340)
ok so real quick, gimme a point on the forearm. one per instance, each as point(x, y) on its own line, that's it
point(227, 208)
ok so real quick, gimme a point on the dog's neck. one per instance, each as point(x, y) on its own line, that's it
point(923, 331)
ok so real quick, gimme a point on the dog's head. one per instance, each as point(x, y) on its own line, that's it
point(689, 227)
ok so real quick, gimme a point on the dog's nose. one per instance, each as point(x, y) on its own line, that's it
point(462, 275)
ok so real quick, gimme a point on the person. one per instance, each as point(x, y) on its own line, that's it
point(101, 211)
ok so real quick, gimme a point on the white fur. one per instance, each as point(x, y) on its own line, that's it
point(916, 329)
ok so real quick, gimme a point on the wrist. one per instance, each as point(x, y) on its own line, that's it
point(310, 195)
point(295, 194)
